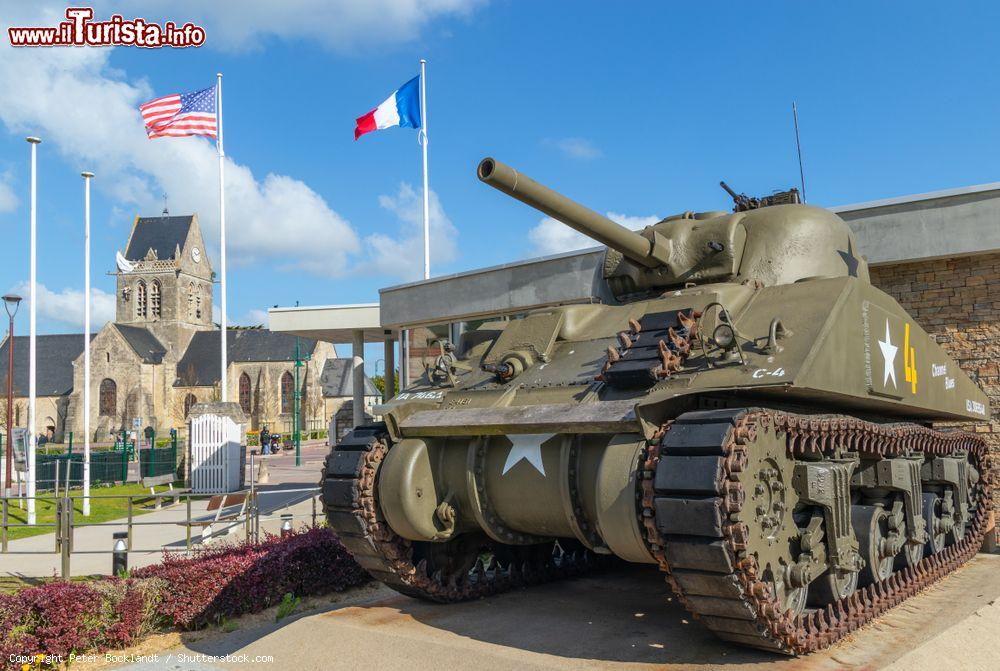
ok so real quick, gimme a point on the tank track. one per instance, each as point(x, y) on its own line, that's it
point(441, 572)
point(709, 567)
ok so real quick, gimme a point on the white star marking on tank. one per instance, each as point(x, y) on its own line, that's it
point(527, 446)
point(889, 355)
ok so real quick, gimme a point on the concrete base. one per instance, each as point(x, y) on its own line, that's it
point(618, 620)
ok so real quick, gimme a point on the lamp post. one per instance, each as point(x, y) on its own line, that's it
point(297, 395)
point(10, 303)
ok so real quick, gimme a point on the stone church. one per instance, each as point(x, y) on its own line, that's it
point(161, 354)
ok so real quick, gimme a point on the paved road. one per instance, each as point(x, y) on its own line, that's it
point(92, 543)
point(616, 621)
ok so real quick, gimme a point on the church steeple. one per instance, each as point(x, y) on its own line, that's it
point(168, 286)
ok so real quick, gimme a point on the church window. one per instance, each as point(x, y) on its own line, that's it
point(154, 298)
point(140, 299)
point(108, 397)
point(245, 393)
point(108, 355)
point(197, 307)
point(189, 400)
point(191, 301)
point(287, 391)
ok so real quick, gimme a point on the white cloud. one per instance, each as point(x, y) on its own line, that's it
point(67, 306)
point(554, 237)
point(255, 317)
point(403, 255)
point(87, 111)
point(341, 25)
point(8, 199)
point(575, 147)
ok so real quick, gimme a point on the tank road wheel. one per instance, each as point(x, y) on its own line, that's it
point(833, 586)
point(934, 524)
point(871, 527)
point(469, 566)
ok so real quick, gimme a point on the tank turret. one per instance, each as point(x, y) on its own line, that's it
point(767, 241)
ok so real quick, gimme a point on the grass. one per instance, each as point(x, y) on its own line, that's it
point(101, 509)
point(12, 584)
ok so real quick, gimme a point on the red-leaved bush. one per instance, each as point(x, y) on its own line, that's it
point(63, 617)
point(234, 580)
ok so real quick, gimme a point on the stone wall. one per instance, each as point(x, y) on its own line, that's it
point(958, 301)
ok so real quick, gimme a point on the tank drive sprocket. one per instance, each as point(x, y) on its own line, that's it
point(729, 501)
point(469, 566)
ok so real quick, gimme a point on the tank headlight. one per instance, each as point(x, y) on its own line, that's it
point(724, 336)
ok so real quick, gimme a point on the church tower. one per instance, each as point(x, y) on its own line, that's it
point(164, 280)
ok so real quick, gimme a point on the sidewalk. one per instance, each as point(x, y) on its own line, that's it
point(92, 544)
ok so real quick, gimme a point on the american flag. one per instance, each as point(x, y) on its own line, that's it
point(181, 114)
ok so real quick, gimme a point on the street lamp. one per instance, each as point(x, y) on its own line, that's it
point(10, 303)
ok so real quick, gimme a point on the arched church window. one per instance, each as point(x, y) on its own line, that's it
point(197, 307)
point(140, 299)
point(108, 397)
point(154, 298)
point(189, 400)
point(191, 301)
point(245, 393)
point(287, 392)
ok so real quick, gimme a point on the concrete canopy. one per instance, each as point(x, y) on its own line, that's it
point(330, 323)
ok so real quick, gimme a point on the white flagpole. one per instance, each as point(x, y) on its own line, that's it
point(423, 125)
point(224, 387)
point(86, 342)
point(33, 309)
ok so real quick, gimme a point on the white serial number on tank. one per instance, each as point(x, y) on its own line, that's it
point(432, 395)
point(765, 372)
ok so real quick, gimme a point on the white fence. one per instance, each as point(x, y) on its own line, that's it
point(216, 463)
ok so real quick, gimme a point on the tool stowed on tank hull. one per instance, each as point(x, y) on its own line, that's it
point(748, 413)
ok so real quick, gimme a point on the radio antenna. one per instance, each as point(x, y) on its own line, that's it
point(798, 149)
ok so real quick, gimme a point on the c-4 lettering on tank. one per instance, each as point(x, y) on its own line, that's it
point(416, 395)
point(761, 372)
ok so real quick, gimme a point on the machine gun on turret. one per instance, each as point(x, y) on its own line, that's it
point(744, 203)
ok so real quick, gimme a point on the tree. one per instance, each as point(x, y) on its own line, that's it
point(379, 382)
point(7, 422)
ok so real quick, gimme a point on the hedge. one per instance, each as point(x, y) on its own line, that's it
point(61, 618)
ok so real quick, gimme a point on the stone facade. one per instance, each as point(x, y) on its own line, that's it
point(162, 353)
point(958, 301)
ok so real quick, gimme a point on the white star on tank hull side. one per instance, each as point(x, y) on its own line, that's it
point(526, 446)
point(889, 355)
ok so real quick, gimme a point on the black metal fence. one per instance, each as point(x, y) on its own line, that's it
point(106, 466)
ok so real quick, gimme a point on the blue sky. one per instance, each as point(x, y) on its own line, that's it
point(636, 109)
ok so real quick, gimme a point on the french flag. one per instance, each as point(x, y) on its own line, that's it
point(402, 108)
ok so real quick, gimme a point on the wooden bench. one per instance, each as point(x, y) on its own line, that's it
point(165, 479)
point(225, 509)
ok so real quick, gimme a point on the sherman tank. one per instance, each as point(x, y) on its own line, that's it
point(742, 408)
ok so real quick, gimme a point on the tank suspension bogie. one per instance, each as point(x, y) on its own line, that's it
point(853, 546)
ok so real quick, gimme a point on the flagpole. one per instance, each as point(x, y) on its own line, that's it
point(32, 310)
point(423, 124)
point(222, 237)
point(86, 343)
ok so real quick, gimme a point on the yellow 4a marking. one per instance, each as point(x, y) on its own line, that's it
point(909, 360)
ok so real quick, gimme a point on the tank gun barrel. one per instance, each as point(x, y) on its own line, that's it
point(518, 185)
